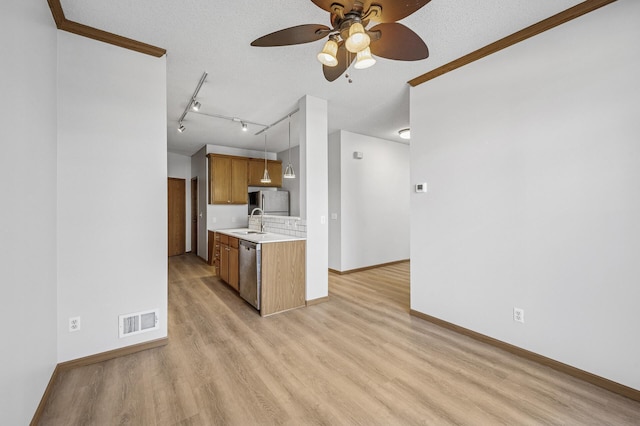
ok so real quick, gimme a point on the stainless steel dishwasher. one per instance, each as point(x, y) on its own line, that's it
point(250, 272)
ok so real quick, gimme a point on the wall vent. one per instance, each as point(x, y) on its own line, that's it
point(140, 322)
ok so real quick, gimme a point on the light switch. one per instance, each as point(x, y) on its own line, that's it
point(323, 220)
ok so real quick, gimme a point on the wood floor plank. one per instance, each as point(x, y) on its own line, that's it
point(358, 358)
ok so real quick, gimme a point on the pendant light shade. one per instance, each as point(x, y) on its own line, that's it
point(364, 59)
point(329, 51)
point(358, 38)
point(265, 176)
point(289, 173)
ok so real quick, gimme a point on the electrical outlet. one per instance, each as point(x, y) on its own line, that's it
point(518, 315)
point(74, 324)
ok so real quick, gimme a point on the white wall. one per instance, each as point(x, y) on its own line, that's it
point(314, 192)
point(179, 166)
point(533, 165)
point(372, 214)
point(112, 192)
point(28, 213)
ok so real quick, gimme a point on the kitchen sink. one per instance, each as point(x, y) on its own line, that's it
point(248, 232)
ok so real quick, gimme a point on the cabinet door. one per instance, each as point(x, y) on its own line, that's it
point(256, 171)
point(220, 180)
point(275, 172)
point(239, 187)
point(224, 262)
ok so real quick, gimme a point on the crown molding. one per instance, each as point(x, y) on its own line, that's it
point(62, 23)
point(533, 30)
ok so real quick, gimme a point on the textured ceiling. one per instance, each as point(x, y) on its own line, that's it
point(263, 85)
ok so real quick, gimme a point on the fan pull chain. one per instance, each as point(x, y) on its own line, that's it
point(347, 74)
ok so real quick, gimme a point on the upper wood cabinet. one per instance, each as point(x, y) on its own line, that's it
point(256, 171)
point(227, 179)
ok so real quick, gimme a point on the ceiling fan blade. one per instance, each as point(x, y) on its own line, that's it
point(326, 4)
point(344, 61)
point(294, 35)
point(398, 42)
point(393, 10)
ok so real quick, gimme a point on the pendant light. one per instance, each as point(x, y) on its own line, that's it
point(288, 171)
point(265, 177)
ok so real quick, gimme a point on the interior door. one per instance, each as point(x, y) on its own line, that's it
point(176, 215)
point(194, 215)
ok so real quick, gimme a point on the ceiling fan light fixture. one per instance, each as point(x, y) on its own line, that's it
point(358, 39)
point(405, 133)
point(196, 106)
point(364, 59)
point(328, 55)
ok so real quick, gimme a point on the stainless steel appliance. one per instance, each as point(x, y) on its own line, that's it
point(250, 272)
point(274, 203)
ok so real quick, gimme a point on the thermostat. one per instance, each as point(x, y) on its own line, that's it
point(421, 187)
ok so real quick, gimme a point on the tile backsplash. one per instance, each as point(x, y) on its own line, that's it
point(286, 225)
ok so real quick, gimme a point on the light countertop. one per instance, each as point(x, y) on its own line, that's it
point(267, 237)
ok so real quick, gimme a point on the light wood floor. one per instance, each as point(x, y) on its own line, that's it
point(357, 359)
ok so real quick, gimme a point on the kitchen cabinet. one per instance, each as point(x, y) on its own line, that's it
point(228, 260)
point(227, 179)
point(256, 171)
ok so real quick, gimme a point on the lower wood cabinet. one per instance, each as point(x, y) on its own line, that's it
point(229, 260)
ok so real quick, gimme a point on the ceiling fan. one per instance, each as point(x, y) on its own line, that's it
point(349, 39)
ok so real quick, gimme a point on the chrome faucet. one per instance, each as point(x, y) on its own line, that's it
point(261, 217)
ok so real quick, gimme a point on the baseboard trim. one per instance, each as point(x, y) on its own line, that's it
point(599, 381)
point(45, 397)
point(88, 360)
point(317, 301)
point(366, 268)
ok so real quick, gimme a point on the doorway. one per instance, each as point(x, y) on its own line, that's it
point(176, 216)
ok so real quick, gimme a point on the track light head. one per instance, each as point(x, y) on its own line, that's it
point(196, 106)
point(244, 126)
point(181, 128)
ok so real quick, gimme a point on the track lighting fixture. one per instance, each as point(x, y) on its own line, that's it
point(192, 104)
point(244, 126)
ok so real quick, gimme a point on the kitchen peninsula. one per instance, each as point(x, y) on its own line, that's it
point(267, 269)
